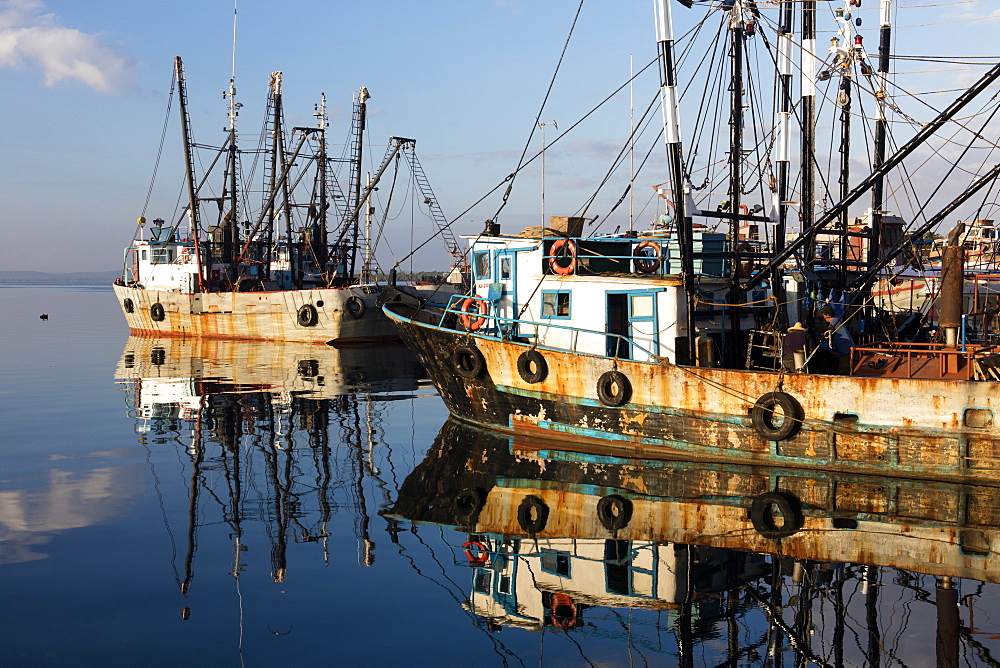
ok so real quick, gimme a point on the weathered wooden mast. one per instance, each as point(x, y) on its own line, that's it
point(193, 220)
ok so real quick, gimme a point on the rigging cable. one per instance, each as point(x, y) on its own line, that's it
point(541, 110)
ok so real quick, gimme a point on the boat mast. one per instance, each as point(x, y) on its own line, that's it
point(927, 130)
point(193, 221)
point(230, 223)
point(881, 125)
point(844, 52)
point(736, 42)
point(807, 207)
point(672, 137)
point(320, 232)
point(779, 204)
point(360, 115)
point(367, 270)
point(278, 182)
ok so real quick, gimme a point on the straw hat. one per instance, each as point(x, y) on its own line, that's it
point(797, 327)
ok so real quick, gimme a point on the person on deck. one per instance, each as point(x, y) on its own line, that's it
point(838, 340)
point(796, 348)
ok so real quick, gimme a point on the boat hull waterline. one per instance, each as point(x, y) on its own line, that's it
point(898, 426)
point(319, 315)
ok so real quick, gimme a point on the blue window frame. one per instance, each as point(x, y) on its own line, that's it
point(481, 265)
point(555, 562)
point(556, 304)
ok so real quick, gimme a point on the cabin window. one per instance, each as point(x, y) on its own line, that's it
point(505, 268)
point(642, 306)
point(143, 253)
point(556, 563)
point(163, 255)
point(482, 581)
point(481, 263)
point(555, 304)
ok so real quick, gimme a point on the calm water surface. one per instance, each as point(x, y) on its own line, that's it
point(170, 502)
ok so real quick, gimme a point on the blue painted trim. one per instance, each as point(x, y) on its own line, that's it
point(556, 316)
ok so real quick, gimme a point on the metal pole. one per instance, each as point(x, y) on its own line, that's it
point(542, 126)
point(672, 137)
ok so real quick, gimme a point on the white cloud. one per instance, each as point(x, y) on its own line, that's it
point(31, 38)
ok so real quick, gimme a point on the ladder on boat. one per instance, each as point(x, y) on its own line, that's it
point(437, 215)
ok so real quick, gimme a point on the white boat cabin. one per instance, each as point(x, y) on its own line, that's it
point(162, 262)
point(616, 296)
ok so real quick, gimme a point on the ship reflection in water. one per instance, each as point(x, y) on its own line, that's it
point(710, 562)
point(285, 465)
point(277, 434)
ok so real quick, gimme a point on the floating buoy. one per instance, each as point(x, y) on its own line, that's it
point(44, 316)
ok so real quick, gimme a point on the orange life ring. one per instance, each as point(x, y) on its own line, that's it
point(555, 262)
point(479, 558)
point(644, 263)
point(473, 313)
point(563, 620)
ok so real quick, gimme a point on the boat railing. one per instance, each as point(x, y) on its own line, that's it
point(578, 339)
point(924, 360)
point(647, 256)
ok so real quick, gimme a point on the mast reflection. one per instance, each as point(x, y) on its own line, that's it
point(748, 563)
point(260, 430)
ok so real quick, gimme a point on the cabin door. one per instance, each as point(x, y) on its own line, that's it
point(631, 325)
point(503, 291)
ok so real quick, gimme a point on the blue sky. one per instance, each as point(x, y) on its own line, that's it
point(84, 89)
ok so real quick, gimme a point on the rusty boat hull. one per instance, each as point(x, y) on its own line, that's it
point(890, 426)
point(932, 527)
point(319, 315)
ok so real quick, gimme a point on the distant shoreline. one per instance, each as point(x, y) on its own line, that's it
point(46, 278)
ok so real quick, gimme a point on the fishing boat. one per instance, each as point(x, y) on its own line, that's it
point(749, 343)
point(286, 268)
point(569, 542)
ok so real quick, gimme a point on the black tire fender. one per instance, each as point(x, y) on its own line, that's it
point(128, 305)
point(532, 514)
point(532, 359)
point(156, 311)
point(614, 512)
point(614, 388)
point(468, 361)
point(468, 503)
point(762, 416)
point(307, 315)
point(356, 307)
point(768, 506)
